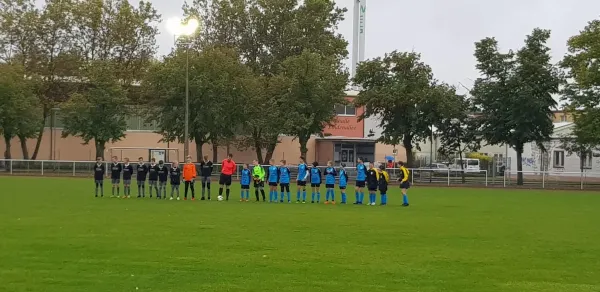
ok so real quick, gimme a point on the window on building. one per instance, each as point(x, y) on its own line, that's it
point(345, 110)
point(559, 159)
point(563, 118)
point(587, 161)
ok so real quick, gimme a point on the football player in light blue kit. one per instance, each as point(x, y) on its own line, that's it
point(245, 180)
point(315, 181)
point(273, 179)
point(343, 182)
point(284, 181)
point(330, 175)
point(361, 177)
point(301, 180)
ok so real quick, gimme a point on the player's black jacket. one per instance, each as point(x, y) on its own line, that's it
point(175, 175)
point(153, 172)
point(142, 172)
point(99, 171)
point(372, 177)
point(115, 170)
point(206, 168)
point(163, 173)
point(127, 171)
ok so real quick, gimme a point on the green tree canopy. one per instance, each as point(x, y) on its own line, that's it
point(314, 85)
point(400, 89)
point(99, 112)
point(514, 94)
point(581, 90)
point(19, 110)
point(219, 88)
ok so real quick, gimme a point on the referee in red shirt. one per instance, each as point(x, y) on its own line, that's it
point(228, 167)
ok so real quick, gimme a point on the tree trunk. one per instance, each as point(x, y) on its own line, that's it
point(100, 146)
point(519, 150)
point(303, 140)
point(256, 141)
point(199, 154)
point(24, 149)
point(40, 133)
point(215, 149)
point(410, 159)
point(7, 154)
point(270, 150)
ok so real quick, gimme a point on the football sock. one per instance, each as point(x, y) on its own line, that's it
point(203, 188)
point(96, 190)
point(357, 197)
point(343, 198)
point(247, 194)
point(262, 192)
point(384, 198)
point(227, 194)
point(289, 196)
point(256, 194)
point(304, 195)
point(220, 191)
point(404, 199)
point(298, 195)
point(313, 196)
point(318, 196)
point(332, 195)
point(113, 191)
point(361, 197)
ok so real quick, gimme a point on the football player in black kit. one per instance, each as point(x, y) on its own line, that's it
point(153, 177)
point(206, 168)
point(175, 174)
point(127, 173)
point(115, 176)
point(163, 176)
point(99, 172)
point(142, 173)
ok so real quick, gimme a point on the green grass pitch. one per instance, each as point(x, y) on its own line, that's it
point(55, 236)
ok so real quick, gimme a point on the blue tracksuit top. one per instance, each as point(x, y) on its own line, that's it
point(315, 176)
point(246, 177)
point(302, 171)
point(284, 175)
point(273, 174)
point(361, 172)
point(343, 178)
point(330, 174)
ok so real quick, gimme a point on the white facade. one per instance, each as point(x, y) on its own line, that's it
point(428, 152)
point(555, 160)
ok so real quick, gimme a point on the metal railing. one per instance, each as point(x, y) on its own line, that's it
point(419, 176)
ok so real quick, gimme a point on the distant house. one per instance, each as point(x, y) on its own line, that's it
point(555, 159)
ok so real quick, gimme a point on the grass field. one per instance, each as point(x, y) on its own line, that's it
point(55, 236)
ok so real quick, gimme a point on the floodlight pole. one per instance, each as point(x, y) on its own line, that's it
point(186, 146)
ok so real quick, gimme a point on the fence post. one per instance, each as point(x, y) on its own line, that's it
point(11, 166)
point(581, 180)
point(448, 176)
point(42, 167)
point(73, 168)
point(543, 179)
point(504, 176)
point(486, 178)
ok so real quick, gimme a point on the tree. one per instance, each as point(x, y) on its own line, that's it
point(314, 86)
point(265, 34)
point(514, 94)
point(99, 112)
point(219, 84)
point(400, 89)
point(19, 111)
point(580, 91)
point(457, 130)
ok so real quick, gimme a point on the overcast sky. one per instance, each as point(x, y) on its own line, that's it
point(444, 31)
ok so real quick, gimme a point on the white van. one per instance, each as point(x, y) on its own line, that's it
point(468, 164)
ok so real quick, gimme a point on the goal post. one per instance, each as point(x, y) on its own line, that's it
point(148, 153)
